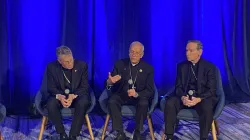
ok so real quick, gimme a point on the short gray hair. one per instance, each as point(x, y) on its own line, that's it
point(137, 43)
point(63, 50)
point(198, 42)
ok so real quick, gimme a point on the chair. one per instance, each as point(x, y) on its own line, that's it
point(2, 112)
point(127, 110)
point(191, 114)
point(66, 112)
point(2, 116)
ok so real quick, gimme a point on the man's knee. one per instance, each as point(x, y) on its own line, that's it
point(112, 101)
point(52, 102)
point(83, 103)
point(171, 102)
point(206, 107)
point(143, 102)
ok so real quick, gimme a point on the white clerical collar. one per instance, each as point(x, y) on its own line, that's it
point(195, 63)
point(134, 64)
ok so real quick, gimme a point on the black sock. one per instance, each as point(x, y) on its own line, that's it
point(63, 133)
point(170, 136)
point(120, 131)
point(137, 131)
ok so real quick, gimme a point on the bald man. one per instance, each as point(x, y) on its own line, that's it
point(132, 83)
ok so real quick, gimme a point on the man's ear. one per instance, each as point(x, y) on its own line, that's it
point(201, 51)
point(59, 61)
point(142, 54)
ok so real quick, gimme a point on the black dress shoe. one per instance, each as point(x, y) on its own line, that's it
point(72, 137)
point(171, 137)
point(120, 136)
point(64, 136)
point(137, 135)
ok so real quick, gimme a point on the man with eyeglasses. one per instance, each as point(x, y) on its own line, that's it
point(195, 88)
point(131, 82)
point(67, 86)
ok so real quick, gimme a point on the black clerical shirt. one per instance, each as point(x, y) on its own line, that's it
point(68, 74)
point(134, 73)
point(193, 74)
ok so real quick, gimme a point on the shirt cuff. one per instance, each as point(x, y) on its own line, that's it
point(57, 96)
point(75, 96)
point(108, 86)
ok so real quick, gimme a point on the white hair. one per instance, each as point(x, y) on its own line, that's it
point(198, 42)
point(137, 43)
point(63, 50)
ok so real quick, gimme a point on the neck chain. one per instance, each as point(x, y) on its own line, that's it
point(132, 77)
point(194, 73)
point(66, 77)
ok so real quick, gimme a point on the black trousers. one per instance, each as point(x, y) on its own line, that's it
point(81, 105)
point(114, 105)
point(204, 109)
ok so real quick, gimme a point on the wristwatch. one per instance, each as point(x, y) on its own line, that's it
point(108, 86)
point(136, 94)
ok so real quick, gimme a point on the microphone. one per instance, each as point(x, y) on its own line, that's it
point(130, 84)
point(190, 94)
point(66, 91)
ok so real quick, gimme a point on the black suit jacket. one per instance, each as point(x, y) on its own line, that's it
point(145, 78)
point(206, 83)
point(55, 79)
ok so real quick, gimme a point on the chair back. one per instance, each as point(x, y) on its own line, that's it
point(2, 112)
point(154, 100)
point(103, 100)
point(220, 95)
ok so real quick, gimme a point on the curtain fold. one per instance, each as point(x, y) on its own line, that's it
point(99, 32)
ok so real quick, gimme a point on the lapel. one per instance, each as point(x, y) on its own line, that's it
point(186, 75)
point(75, 72)
point(127, 69)
point(60, 75)
point(139, 68)
point(200, 74)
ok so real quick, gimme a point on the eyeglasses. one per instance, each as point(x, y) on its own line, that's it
point(135, 53)
point(68, 62)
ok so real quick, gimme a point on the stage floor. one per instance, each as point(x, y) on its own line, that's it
point(234, 124)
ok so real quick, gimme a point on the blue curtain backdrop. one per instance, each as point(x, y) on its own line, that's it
point(100, 31)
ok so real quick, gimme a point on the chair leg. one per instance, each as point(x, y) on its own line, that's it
point(151, 127)
point(217, 127)
point(44, 122)
point(105, 126)
point(1, 137)
point(163, 136)
point(214, 131)
point(89, 127)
